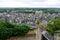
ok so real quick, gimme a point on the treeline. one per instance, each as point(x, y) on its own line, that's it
point(30, 10)
point(51, 11)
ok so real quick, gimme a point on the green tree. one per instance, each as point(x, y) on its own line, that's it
point(53, 25)
point(37, 21)
point(8, 29)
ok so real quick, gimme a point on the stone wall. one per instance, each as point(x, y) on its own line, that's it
point(29, 37)
point(57, 36)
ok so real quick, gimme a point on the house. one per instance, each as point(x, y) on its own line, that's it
point(57, 35)
point(47, 35)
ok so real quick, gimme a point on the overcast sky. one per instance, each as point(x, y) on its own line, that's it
point(30, 3)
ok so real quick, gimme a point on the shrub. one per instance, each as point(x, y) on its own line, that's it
point(8, 29)
point(21, 29)
point(53, 25)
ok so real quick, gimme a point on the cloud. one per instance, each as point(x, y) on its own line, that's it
point(29, 3)
point(12, 3)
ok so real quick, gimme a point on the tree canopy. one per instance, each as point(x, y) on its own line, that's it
point(8, 29)
point(53, 25)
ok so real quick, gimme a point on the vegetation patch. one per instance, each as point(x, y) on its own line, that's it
point(53, 25)
point(8, 29)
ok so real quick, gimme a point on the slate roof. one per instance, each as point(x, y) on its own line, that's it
point(47, 35)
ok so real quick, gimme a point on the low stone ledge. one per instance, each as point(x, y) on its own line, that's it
point(31, 35)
